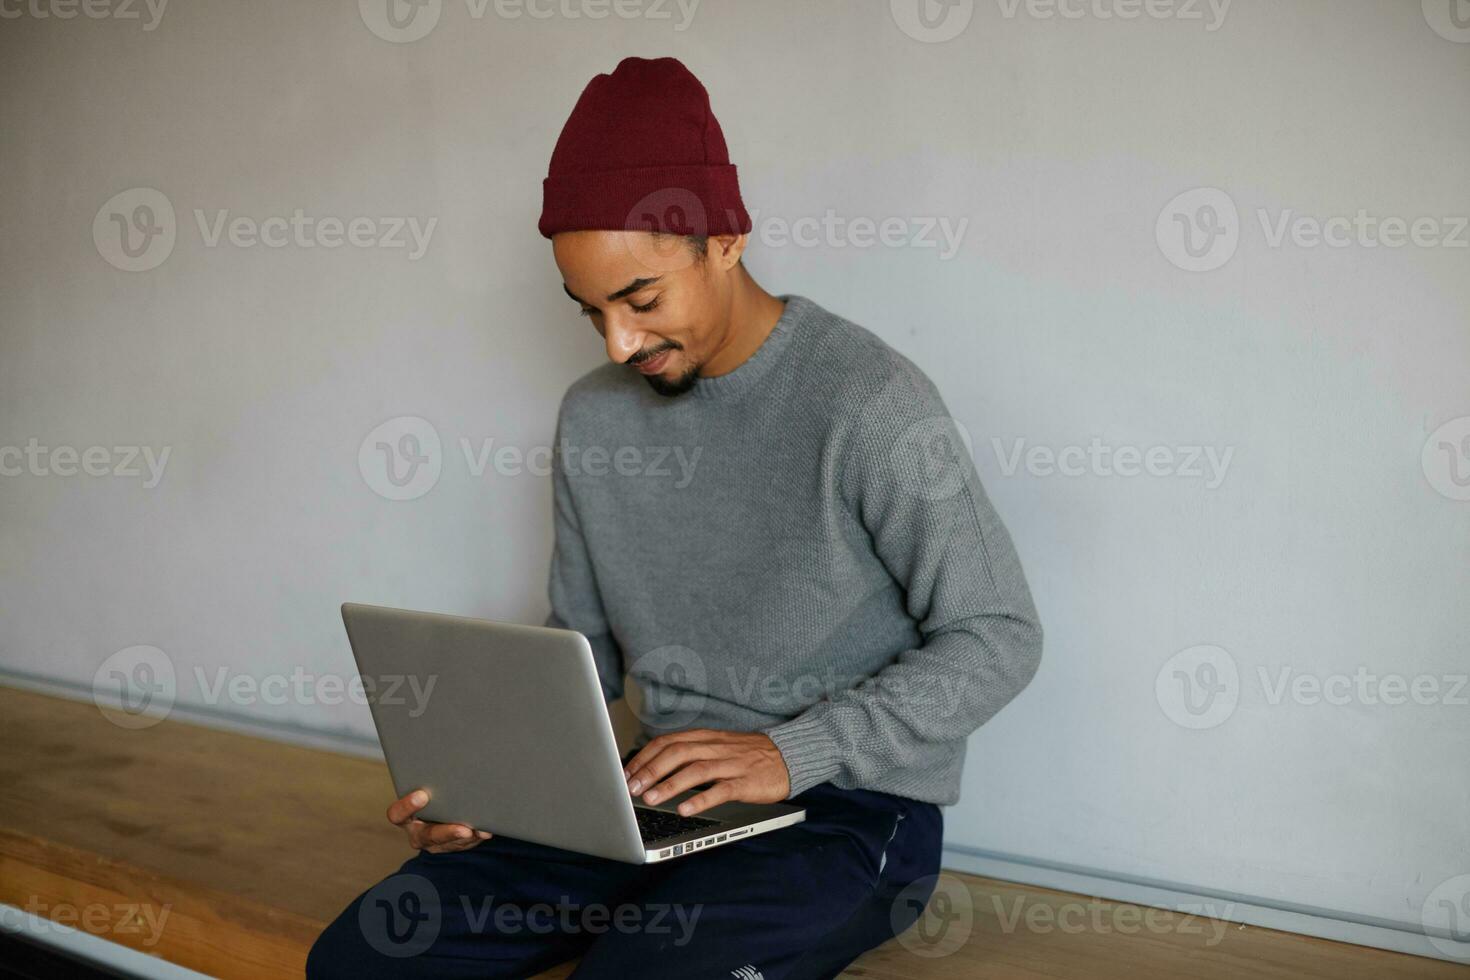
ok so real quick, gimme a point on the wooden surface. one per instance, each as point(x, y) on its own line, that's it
point(252, 846)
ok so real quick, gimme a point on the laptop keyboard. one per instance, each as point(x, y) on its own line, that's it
point(655, 825)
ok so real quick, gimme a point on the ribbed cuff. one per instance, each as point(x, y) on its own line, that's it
point(810, 752)
point(694, 199)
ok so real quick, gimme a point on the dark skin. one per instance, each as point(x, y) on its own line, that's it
point(651, 296)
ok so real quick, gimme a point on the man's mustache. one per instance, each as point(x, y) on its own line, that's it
point(648, 355)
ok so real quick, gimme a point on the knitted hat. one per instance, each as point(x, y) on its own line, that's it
point(643, 152)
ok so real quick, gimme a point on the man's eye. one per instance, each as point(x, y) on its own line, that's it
point(588, 311)
point(644, 309)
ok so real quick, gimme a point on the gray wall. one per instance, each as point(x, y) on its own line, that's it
point(1327, 540)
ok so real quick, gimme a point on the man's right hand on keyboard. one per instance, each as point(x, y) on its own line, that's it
point(425, 835)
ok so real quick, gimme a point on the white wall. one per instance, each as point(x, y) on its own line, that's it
point(1060, 319)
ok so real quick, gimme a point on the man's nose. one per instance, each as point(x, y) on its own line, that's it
point(622, 343)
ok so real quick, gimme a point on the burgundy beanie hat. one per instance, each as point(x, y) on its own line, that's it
point(643, 152)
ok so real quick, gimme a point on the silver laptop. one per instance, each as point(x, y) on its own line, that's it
point(506, 728)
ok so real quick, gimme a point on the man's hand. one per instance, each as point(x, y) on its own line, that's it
point(743, 766)
point(436, 838)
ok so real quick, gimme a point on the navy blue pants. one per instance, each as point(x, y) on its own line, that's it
point(799, 902)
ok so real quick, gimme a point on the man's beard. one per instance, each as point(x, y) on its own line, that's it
point(672, 389)
point(669, 389)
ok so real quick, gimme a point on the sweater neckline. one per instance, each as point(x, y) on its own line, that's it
point(749, 371)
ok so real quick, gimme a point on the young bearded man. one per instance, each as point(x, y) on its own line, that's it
point(817, 604)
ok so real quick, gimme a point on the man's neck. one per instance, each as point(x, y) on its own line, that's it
point(753, 315)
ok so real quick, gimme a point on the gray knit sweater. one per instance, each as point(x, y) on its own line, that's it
point(799, 547)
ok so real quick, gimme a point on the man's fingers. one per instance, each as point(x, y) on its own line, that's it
point(662, 742)
point(694, 774)
point(721, 792)
point(455, 846)
point(670, 759)
point(403, 809)
point(440, 834)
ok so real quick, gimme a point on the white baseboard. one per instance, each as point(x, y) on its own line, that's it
point(343, 742)
point(1401, 937)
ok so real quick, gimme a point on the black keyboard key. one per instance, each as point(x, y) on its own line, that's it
point(656, 825)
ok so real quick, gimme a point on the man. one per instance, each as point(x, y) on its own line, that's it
point(816, 603)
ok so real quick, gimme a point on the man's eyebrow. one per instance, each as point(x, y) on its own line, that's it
point(627, 290)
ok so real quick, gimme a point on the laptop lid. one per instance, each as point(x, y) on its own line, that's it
point(506, 729)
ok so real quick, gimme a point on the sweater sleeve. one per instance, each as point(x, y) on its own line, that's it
point(907, 476)
point(576, 603)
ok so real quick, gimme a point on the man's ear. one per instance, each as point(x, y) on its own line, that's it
point(726, 250)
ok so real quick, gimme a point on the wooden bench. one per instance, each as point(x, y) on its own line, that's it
point(252, 846)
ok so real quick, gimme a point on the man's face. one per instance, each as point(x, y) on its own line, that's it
point(661, 308)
